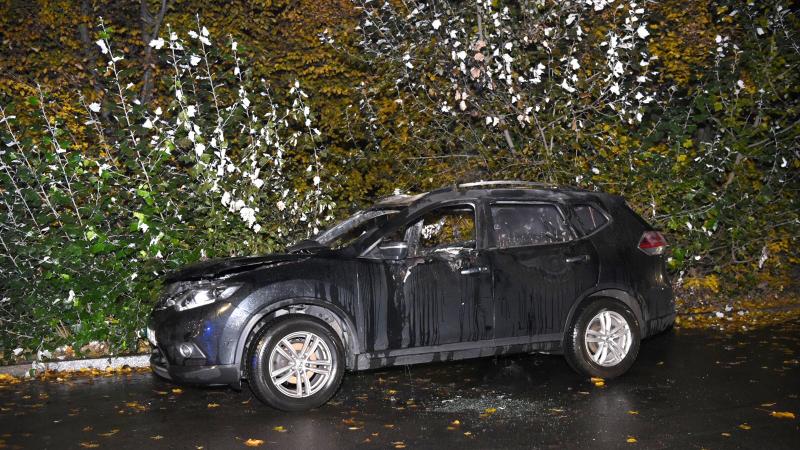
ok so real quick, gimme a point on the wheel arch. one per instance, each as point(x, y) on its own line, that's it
point(636, 305)
point(329, 313)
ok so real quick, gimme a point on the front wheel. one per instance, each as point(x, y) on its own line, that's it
point(295, 364)
point(603, 340)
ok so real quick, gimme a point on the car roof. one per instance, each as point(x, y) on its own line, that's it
point(522, 190)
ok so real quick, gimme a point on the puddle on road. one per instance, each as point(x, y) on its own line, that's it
point(501, 406)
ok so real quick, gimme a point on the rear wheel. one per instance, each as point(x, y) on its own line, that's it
point(295, 364)
point(603, 340)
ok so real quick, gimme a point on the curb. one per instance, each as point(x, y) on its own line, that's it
point(113, 362)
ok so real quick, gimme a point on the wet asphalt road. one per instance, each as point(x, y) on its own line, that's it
point(687, 390)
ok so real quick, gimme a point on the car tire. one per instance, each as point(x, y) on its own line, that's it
point(603, 323)
point(275, 360)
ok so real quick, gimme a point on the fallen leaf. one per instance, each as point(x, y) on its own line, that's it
point(745, 426)
point(456, 422)
point(631, 440)
point(726, 434)
point(633, 413)
point(90, 444)
point(389, 425)
point(491, 410)
point(399, 444)
point(782, 414)
point(177, 390)
point(467, 433)
point(157, 437)
point(213, 405)
point(87, 428)
point(110, 433)
point(767, 405)
point(253, 442)
point(280, 429)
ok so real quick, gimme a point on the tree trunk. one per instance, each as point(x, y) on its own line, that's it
point(150, 28)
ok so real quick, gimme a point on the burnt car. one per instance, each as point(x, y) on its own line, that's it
point(473, 270)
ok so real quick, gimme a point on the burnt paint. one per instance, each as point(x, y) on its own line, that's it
point(416, 309)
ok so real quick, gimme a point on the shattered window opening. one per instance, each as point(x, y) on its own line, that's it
point(448, 227)
point(520, 225)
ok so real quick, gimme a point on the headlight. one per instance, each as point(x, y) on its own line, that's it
point(202, 293)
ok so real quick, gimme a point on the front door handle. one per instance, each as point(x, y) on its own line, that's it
point(578, 259)
point(472, 270)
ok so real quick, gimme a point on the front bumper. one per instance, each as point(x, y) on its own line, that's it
point(196, 346)
point(214, 375)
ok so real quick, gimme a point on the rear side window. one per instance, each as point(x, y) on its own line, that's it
point(588, 219)
point(521, 225)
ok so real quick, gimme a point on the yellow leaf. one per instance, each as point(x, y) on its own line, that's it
point(631, 440)
point(745, 426)
point(253, 442)
point(456, 422)
point(213, 405)
point(280, 429)
point(633, 413)
point(110, 433)
point(491, 410)
point(90, 444)
point(177, 390)
point(782, 414)
point(157, 437)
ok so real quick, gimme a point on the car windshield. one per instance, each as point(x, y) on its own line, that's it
point(347, 231)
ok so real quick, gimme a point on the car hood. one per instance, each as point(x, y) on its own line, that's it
point(215, 268)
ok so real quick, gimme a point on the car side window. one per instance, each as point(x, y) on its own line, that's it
point(587, 219)
point(518, 225)
point(452, 226)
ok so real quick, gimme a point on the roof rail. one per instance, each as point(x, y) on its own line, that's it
point(509, 183)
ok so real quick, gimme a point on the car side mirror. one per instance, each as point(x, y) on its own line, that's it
point(393, 250)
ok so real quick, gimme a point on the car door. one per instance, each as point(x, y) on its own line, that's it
point(539, 269)
point(439, 293)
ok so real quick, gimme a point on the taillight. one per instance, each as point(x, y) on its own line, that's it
point(652, 243)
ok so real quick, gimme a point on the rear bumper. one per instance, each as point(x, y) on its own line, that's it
point(658, 324)
point(215, 375)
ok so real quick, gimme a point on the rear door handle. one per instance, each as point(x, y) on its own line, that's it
point(578, 259)
point(472, 270)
